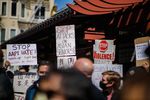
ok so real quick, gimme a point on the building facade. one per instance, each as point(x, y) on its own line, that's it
point(16, 16)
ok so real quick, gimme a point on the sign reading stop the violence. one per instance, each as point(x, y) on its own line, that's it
point(22, 54)
point(104, 51)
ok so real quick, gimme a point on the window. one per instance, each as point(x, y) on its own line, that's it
point(4, 8)
point(12, 33)
point(22, 10)
point(13, 9)
point(40, 13)
point(2, 35)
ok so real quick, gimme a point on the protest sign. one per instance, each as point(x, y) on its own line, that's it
point(103, 51)
point(65, 62)
point(140, 51)
point(19, 96)
point(22, 54)
point(23, 81)
point(140, 46)
point(100, 68)
point(65, 40)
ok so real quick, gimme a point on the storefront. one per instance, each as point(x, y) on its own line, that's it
point(122, 21)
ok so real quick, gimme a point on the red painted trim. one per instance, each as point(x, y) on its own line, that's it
point(85, 11)
point(93, 37)
point(92, 7)
point(102, 4)
point(129, 18)
point(120, 2)
point(139, 15)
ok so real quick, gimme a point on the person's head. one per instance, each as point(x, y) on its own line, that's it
point(44, 67)
point(66, 84)
point(7, 64)
point(136, 87)
point(110, 79)
point(24, 69)
point(85, 66)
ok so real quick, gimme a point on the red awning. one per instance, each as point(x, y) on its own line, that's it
point(106, 5)
point(120, 2)
point(79, 9)
point(98, 7)
point(92, 7)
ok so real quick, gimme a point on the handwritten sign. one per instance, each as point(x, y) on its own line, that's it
point(100, 68)
point(19, 96)
point(22, 54)
point(22, 81)
point(65, 40)
point(103, 51)
point(140, 51)
point(65, 62)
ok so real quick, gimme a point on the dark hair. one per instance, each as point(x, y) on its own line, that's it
point(25, 67)
point(6, 88)
point(45, 62)
point(74, 85)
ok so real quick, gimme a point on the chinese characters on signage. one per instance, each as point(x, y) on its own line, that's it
point(65, 46)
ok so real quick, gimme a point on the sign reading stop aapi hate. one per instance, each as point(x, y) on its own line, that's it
point(22, 54)
point(65, 40)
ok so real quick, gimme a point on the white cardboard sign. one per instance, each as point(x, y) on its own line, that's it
point(22, 54)
point(140, 51)
point(104, 51)
point(19, 96)
point(22, 81)
point(65, 40)
point(66, 62)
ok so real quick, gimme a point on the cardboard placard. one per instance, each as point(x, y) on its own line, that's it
point(22, 81)
point(141, 44)
point(65, 40)
point(22, 54)
point(66, 62)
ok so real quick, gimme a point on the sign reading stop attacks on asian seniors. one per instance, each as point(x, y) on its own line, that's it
point(22, 54)
point(65, 40)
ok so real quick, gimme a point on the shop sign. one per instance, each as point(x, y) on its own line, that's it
point(22, 54)
point(65, 40)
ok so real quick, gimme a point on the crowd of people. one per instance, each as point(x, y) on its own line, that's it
point(75, 83)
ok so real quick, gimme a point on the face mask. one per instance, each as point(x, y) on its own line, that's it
point(102, 85)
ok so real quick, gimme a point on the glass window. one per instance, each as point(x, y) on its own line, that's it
point(12, 33)
point(22, 10)
point(13, 9)
point(4, 8)
point(2, 35)
point(40, 13)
